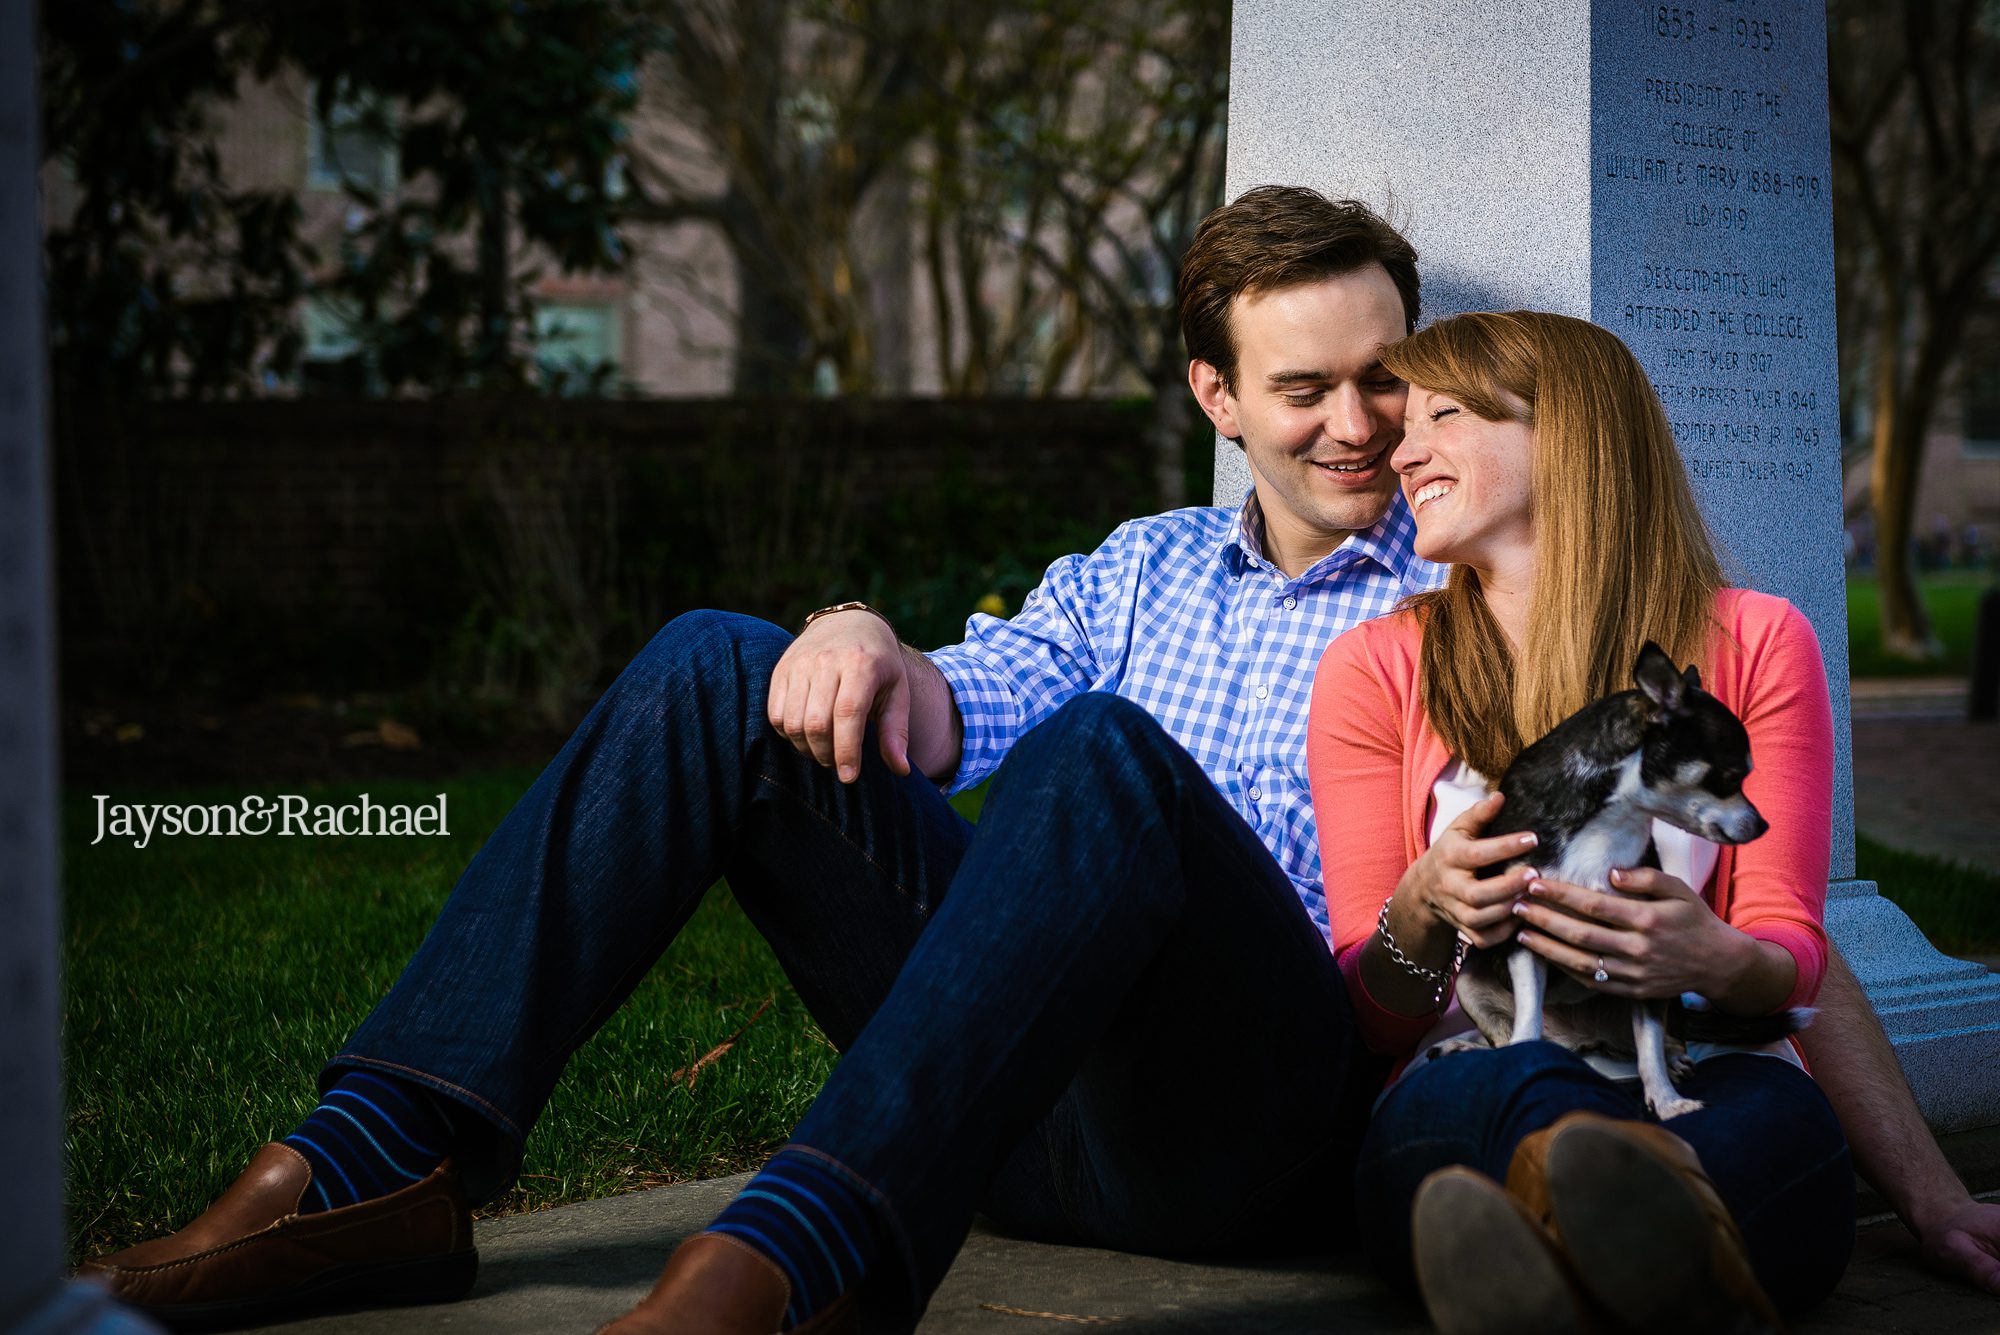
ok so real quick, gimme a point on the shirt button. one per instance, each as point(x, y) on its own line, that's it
point(1263, 692)
point(1290, 603)
point(1256, 794)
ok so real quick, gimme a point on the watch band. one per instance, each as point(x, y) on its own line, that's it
point(843, 607)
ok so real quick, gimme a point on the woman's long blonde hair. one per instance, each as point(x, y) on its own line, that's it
point(1622, 554)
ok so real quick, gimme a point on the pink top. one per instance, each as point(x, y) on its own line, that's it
point(1373, 761)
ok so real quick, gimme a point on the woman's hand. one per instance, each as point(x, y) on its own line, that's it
point(1445, 887)
point(1657, 938)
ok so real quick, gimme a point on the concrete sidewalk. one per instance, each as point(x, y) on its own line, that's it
point(1925, 779)
point(571, 1268)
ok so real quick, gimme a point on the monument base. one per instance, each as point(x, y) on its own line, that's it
point(1942, 1014)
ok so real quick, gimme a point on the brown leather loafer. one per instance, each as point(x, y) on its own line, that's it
point(252, 1257)
point(1486, 1266)
point(716, 1285)
point(1648, 1233)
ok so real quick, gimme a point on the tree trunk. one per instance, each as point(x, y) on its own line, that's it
point(1167, 439)
point(773, 345)
point(1898, 454)
point(496, 316)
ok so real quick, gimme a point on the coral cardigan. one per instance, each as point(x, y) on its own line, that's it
point(1373, 761)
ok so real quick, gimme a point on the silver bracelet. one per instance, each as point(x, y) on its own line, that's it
point(1441, 977)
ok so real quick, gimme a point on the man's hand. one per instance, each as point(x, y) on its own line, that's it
point(1964, 1243)
point(842, 671)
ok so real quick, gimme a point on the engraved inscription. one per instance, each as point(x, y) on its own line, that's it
point(1697, 156)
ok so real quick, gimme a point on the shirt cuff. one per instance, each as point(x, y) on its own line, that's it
point(987, 712)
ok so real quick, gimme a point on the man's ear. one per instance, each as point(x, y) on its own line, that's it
point(1214, 397)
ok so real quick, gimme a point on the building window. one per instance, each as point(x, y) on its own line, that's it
point(1982, 412)
point(333, 362)
point(576, 345)
point(353, 146)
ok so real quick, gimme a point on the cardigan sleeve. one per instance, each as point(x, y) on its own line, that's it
point(1355, 762)
point(1776, 889)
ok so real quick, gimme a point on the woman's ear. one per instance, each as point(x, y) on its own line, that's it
point(1212, 392)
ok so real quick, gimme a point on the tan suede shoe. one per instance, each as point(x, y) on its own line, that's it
point(251, 1257)
point(1644, 1225)
point(716, 1285)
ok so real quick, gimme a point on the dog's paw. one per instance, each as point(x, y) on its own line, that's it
point(1680, 1067)
point(1451, 1045)
point(1668, 1109)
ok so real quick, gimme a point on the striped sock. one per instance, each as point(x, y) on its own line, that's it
point(814, 1224)
point(370, 1135)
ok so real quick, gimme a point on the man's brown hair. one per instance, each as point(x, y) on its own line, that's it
point(1278, 236)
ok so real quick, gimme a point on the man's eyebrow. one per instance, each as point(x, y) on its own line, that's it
point(1280, 379)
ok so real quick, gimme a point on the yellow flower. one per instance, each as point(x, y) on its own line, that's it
point(992, 605)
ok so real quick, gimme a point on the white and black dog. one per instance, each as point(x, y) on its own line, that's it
point(1590, 790)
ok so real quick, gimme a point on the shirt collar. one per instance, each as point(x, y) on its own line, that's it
point(1390, 543)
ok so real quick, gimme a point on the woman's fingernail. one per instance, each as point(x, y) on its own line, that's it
point(1536, 887)
point(1528, 840)
point(1522, 937)
point(1533, 875)
point(1520, 907)
point(1463, 937)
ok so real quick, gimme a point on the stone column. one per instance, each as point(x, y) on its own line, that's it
point(1664, 171)
point(33, 1294)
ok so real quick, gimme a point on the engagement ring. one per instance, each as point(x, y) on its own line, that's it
point(1600, 975)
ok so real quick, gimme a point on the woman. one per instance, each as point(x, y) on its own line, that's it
point(1539, 463)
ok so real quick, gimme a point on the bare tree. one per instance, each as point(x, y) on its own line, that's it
point(1916, 148)
point(1038, 167)
point(1080, 149)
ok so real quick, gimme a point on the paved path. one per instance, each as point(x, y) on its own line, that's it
point(572, 1268)
point(1924, 778)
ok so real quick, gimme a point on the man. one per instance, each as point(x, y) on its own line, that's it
point(1021, 1006)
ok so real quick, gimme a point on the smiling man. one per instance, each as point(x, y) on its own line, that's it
point(1108, 1015)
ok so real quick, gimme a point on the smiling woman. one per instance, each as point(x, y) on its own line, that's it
point(1539, 462)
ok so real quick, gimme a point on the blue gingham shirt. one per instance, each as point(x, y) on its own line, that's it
point(1180, 613)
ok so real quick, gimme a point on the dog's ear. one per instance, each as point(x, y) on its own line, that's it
point(1692, 677)
point(1658, 678)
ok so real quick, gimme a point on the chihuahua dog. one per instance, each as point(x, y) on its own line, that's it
point(1591, 790)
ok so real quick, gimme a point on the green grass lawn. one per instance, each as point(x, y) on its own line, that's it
point(1953, 600)
point(206, 979)
point(1956, 904)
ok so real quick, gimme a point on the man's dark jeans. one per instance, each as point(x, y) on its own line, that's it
point(1767, 1137)
point(1102, 1015)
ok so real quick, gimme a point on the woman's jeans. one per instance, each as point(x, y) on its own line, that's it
point(1767, 1137)
point(1102, 1015)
